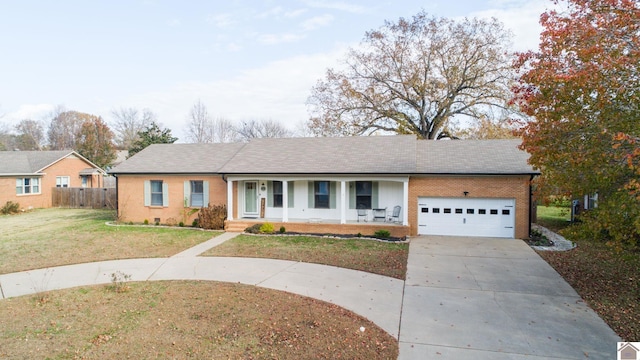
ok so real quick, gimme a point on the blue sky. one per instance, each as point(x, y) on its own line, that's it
point(243, 59)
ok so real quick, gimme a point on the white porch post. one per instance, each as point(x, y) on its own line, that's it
point(405, 200)
point(285, 201)
point(343, 202)
point(229, 199)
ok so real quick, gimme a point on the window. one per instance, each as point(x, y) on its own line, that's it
point(28, 186)
point(277, 194)
point(321, 194)
point(458, 211)
point(62, 181)
point(85, 181)
point(197, 193)
point(506, 212)
point(364, 190)
point(425, 210)
point(436, 210)
point(156, 193)
point(494, 211)
point(470, 211)
point(447, 210)
point(482, 211)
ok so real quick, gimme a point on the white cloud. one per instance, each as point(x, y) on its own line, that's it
point(272, 39)
point(275, 11)
point(317, 22)
point(294, 13)
point(29, 111)
point(337, 5)
point(521, 17)
point(223, 20)
point(174, 22)
point(277, 91)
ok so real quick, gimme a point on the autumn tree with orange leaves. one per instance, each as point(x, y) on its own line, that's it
point(582, 89)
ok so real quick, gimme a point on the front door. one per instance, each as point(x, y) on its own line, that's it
point(251, 199)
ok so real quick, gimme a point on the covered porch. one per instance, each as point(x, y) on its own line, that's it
point(343, 204)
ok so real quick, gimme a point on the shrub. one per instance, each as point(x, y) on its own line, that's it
point(267, 228)
point(253, 229)
point(383, 234)
point(195, 223)
point(282, 230)
point(212, 217)
point(181, 224)
point(146, 222)
point(10, 208)
point(616, 222)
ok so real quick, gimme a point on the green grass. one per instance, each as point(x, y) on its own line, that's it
point(383, 258)
point(553, 218)
point(55, 237)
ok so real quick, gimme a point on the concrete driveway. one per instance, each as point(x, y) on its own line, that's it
point(486, 298)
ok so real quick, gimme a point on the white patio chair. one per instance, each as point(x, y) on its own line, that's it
point(395, 215)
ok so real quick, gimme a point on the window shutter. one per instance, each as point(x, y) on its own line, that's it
point(332, 195)
point(311, 191)
point(147, 193)
point(290, 193)
point(270, 193)
point(352, 194)
point(165, 194)
point(374, 194)
point(187, 194)
point(205, 193)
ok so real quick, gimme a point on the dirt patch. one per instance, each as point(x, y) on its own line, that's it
point(185, 319)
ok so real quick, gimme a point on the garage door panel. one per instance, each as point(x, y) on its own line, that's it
point(466, 217)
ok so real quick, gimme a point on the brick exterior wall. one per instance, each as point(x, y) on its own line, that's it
point(69, 166)
point(509, 187)
point(131, 198)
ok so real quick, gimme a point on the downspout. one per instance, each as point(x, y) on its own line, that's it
point(530, 202)
point(117, 199)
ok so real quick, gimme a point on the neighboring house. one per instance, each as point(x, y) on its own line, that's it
point(27, 177)
point(346, 185)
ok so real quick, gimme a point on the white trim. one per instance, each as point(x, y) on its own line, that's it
point(229, 199)
point(405, 203)
point(343, 202)
point(285, 201)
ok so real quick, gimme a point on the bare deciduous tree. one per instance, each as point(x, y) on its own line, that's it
point(30, 134)
point(224, 131)
point(128, 122)
point(252, 129)
point(64, 128)
point(200, 124)
point(414, 76)
point(204, 128)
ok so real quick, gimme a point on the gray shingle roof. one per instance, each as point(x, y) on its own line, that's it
point(341, 155)
point(28, 162)
point(347, 155)
point(472, 157)
point(178, 159)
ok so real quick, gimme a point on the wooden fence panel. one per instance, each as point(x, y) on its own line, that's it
point(84, 198)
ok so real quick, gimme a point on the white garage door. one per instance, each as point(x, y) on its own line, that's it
point(466, 217)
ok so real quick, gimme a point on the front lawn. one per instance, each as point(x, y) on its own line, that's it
point(53, 237)
point(383, 258)
point(607, 280)
point(180, 320)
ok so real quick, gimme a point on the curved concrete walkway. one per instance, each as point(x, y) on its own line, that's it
point(376, 297)
point(464, 298)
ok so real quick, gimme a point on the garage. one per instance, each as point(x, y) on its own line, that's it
point(487, 217)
